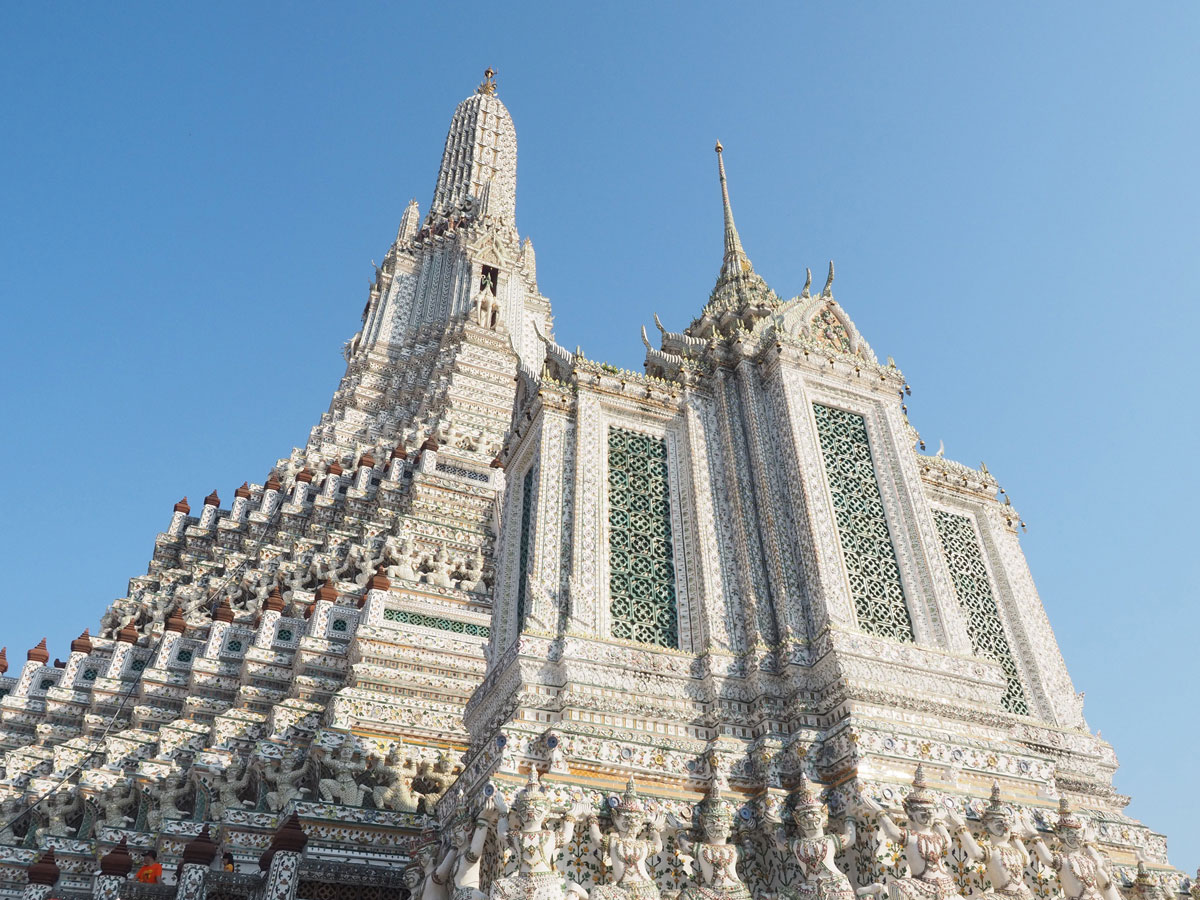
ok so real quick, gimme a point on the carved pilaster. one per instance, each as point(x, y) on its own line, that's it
point(43, 876)
point(191, 882)
point(282, 860)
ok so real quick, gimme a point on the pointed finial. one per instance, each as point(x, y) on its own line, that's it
point(736, 262)
point(117, 861)
point(807, 283)
point(1067, 820)
point(488, 86)
point(45, 871)
point(805, 799)
point(274, 602)
point(223, 612)
point(738, 286)
point(996, 808)
point(629, 802)
point(827, 291)
point(200, 850)
point(645, 339)
point(920, 794)
point(659, 325)
point(39, 653)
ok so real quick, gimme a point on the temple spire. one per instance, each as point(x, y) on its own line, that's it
point(480, 157)
point(738, 286)
point(736, 261)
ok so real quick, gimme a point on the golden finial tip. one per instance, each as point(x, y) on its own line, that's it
point(489, 85)
point(718, 148)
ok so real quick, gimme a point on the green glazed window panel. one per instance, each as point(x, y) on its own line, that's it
point(526, 546)
point(641, 582)
point(974, 590)
point(862, 527)
point(410, 618)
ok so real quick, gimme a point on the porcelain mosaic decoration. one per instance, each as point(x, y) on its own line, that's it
point(515, 623)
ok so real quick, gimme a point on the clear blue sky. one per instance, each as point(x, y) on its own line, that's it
point(193, 193)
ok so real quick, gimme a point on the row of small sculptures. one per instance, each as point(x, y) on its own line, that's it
point(452, 871)
point(247, 593)
point(396, 781)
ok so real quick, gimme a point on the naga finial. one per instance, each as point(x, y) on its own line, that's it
point(807, 283)
point(828, 289)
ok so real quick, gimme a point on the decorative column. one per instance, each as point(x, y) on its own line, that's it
point(179, 518)
point(271, 611)
point(241, 502)
point(35, 660)
point(300, 489)
point(497, 481)
point(80, 648)
point(127, 639)
point(115, 866)
point(198, 855)
point(43, 876)
point(208, 518)
point(324, 599)
point(375, 597)
point(428, 458)
point(175, 626)
point(333, 480)
point(396, 464)
point(270, 497)
point(366, 465)
point(222, 619)
point(281, 862)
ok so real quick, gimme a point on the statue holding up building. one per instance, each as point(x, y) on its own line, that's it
point(812, 853)
point(1082, 871)
point(626, 850)
point(1003, 853)
point(467, 836)
point(926, 845)
point(537, 846)
point(714, 858)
